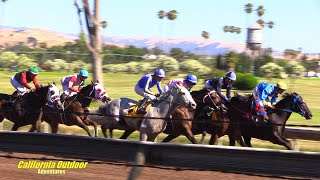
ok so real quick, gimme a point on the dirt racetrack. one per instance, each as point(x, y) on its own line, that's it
point(105, 170)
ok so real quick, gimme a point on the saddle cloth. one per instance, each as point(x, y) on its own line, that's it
point(132, 112)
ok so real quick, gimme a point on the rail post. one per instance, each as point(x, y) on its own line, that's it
point(138, 164)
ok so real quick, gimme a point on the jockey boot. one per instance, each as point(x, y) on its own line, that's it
point(142, 107)
point(15, 94)
point(265, 118)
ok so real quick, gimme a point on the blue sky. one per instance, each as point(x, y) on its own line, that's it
point(296, 21)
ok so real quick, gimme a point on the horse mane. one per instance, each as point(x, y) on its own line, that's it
point(33, 92)
point(289, 95)
point(285, 97)
point(242, 98)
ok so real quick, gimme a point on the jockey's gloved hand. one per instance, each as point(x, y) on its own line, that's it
point(267, 104)
point(157, 95)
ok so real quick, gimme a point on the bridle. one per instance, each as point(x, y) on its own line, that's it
point(215, 106)
point(295, 100)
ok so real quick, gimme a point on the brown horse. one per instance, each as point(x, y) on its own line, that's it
point(75, 109)
point(26, 110)
point(272, 130)
point(198, 121)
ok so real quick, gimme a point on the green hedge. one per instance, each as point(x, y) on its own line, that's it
point(245, 82)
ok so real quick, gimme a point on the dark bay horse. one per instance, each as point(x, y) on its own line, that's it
point(74, 109)
point(26, 110)
point(209, 116)
point(272, 130)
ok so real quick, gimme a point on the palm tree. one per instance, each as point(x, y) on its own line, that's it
point(248, 8)
point(205, 35)
point(260, 10)
point(261, 23)
point(226, 29)
point(161, 14)
point(172, 15)
point(270, 24)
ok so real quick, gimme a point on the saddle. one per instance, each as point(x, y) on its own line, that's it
point(132, 112)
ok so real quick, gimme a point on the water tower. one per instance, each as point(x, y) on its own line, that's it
point(254, 38)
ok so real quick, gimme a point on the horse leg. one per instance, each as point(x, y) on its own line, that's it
point(54, 127)
point(203, 137)
point(189, 134)
point(104, 128)
point(16, 126)
point(170, 137)
point(38, 125)
point(247, 140)
point(143, 136)
point(152, 137)
point(213, 139)
point(33, 128)
point(81, 124)
point(94, 124)
point(126, 134)
point(279, 140)
point(232, 141)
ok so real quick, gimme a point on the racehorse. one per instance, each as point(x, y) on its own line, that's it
point(74, 109)
point(27, 110)
point(116, 111)
point(209, 116)
point(181, 121)
point(155, 120)
point(272, 130)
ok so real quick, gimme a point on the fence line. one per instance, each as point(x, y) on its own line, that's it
point(189, 156)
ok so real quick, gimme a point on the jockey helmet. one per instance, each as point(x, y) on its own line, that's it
point(282, 85)
point(160, 73)
point(192, 78)
point(33, 70)
point(231, 75)
point(84, 73)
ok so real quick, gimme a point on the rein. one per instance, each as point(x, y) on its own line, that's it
point(295, 100)
point(216, 107)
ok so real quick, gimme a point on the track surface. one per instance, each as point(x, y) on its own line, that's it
point(106, 170)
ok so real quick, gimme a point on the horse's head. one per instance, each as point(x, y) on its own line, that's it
point(53, 96)
point(213, 100)
point(182, 96)
point(295, 102)
point(95, 91)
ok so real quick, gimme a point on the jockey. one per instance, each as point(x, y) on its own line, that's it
point(261, 94)
point(68, 83)
point(145, 84)
point(222, 83)
point(20, 80)
point(188, 82)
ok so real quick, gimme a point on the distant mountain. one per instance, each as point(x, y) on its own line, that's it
point(10, 36)
point(32, 37)
point(194, 45)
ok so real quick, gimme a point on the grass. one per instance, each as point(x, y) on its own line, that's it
point(122, 85)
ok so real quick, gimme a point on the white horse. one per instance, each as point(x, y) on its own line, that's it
point(155, 120)
point(152, 123)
